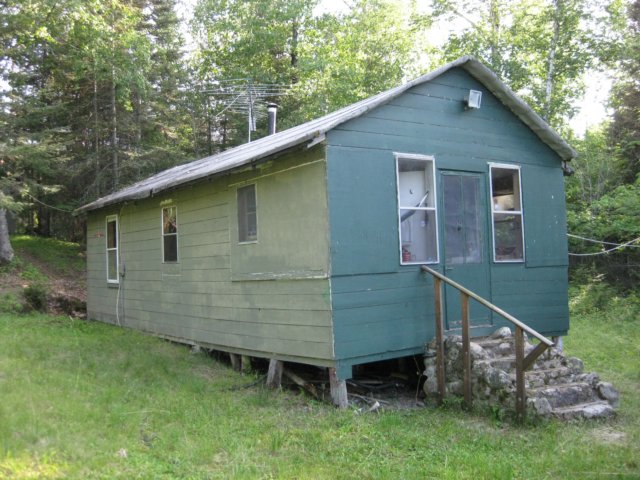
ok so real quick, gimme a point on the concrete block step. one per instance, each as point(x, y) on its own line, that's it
point(565, 395)
point(597, 409)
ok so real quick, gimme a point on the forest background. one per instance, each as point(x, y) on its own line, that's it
point(97, 94)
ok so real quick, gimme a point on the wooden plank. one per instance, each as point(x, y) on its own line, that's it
point(519, 272)
point(439, 327)
point(521, 394)
point(268, 329)
point(309, 387)
point(434, 146)
point(466, 352)
point(530, 359)
point(428, 126)
point(390, 336)
point(182, 300)
point(256, 345)
point(405, 276)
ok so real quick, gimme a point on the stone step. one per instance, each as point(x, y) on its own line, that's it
point(488, 342)
point(565, 395)
point(549, 376)
point(597, 409)
point(506, 363)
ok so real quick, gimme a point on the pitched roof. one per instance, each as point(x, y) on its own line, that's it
point(315, 130)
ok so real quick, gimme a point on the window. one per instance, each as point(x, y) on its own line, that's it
point(417, 209)
point(170, 234)
point(247, 214)
point(506, 208)
point(112, 249)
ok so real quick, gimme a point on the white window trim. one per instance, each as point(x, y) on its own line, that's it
point(247, 242)
point(108, 219)
point(162, 235)
point(426, 158)
point(520, 212)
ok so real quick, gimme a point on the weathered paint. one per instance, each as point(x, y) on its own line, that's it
point(323, 284)
point(266, 299)
point(382, 309)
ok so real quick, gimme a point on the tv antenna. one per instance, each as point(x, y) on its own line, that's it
point(243, 96)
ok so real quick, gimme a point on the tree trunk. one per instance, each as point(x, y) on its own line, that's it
point(96, 134)
point(551, 59)
point(494, 20)
point(114, 132)
point(294, 51)
point(6, 252)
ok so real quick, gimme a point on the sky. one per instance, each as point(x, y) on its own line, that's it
point(592, 109)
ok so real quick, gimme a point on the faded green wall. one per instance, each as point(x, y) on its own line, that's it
point(209, 298)
point(383, 309)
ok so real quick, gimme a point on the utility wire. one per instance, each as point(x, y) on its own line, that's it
point(599, 241)
point(604, 252)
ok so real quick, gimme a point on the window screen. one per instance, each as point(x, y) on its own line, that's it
point(170, 234)
point(112, 249)
point(417, 210)
point(247, 214)
point(506, 206)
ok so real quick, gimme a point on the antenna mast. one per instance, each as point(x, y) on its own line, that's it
point(241, 95)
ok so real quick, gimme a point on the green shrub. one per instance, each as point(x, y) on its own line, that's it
point(36, 296)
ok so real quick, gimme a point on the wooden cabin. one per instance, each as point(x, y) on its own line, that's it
point(307, 245)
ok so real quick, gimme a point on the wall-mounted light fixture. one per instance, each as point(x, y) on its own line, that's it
point(474, 99)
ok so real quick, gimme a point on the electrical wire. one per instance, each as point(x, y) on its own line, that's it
point(600, 241)
point(604, 252)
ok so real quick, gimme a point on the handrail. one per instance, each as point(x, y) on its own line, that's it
point(490, 306)
point(523, 363)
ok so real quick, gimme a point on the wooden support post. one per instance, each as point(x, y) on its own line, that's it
point(521, 394)
point(235, 362)
point(437, 285)
point(274, 375)
point(338, 390)
point(466, 350)
point(245, 362)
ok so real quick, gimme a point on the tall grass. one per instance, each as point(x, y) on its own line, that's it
point(87, 400)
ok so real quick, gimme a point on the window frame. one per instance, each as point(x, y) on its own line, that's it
point(427, 159)
point(163, 234)
point(506, 166)
point(116, 249)
point(244, 220)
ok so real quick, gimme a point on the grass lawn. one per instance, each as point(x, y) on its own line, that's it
point(87, 400)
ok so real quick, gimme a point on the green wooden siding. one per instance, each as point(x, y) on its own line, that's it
point(382, 309)
point(209, 298)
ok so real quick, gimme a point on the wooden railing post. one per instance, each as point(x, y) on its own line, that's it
point(522, 363)
point(521, 394)
point(466, 350)
point(437, 285)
